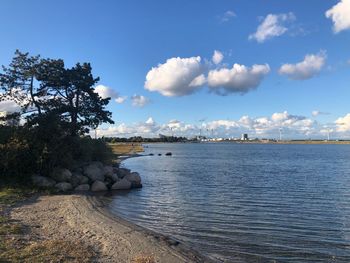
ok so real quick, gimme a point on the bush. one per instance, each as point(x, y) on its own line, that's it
point(27, 151)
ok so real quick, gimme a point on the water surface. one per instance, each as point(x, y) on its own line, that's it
point(246, 202)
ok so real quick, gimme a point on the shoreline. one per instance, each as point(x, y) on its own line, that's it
point(85, 218)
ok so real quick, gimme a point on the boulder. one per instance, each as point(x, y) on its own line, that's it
point(114, 177)
point(98, 186)
point(63, 186)
point(94, 171)
point(78, 178)
point(122, 172)
point(75, 179)
point(61, 174)
point(122, 184)
point(42, 181)
point(133, 178)
point(108, 171)
point(82, 187)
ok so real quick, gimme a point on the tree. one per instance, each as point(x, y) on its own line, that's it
point(44, 87)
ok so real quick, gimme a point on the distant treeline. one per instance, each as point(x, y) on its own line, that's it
point(141, 139)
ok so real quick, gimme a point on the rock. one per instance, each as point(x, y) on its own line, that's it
point(108, 171)
point(94, 171)
point(78, 178)
point(75, 179)
point(98, 186)
point(168, 154)
point(114, 177)
point(82, 187)
point(122, 184)
point(133, 178)
point(122, 172)
point(61, 174)
point(42, 181)
point(64, 187)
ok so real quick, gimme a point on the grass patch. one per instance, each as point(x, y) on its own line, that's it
point(47, 251)
point(125, 148)
point(144, 259)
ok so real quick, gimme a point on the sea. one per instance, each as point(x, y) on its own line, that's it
point(245, 202)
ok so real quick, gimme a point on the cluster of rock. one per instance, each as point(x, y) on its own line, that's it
point(91, 177)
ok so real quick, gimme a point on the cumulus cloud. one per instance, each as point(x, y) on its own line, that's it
point(227, 16)
point(273, 25)
point(343, 123)
point(217, 57)
point(292, 126)
point(176, 77)
point(340, 15)
point(139, 101)
point(107, 92)
point(306, 69)
point(238, 79)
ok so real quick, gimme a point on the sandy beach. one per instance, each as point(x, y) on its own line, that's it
point(81, 218)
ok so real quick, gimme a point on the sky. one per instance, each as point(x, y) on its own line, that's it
point(183, 67)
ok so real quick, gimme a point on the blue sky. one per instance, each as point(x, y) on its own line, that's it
point(124, 40)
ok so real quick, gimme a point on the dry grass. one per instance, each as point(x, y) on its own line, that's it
point(46, 251)
point(144, 259)
point(125, 148)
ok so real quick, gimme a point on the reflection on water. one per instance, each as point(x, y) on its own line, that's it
point(246, 202)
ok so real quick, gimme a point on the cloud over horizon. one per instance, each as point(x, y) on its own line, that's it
point(273, 25)
point(292, 126)
point(306, 69)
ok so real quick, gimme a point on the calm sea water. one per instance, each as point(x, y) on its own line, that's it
point(246, 202)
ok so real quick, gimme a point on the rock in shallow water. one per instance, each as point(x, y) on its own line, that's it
point(134, 178)
point(123, 184)
point(98, 186)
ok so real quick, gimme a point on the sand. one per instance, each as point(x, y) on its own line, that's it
point(84, 218)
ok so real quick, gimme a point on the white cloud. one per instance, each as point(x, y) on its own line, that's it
point(316, 113)
point(217, 57)
point(340, 15)
point(107, 92)
point(198, 81)
point(227, 16)
point(9, 106)
point(292, 127)
point(272, 26)
point(139, 101)
point(343, 123)
point(306, 69)
point(176, 77)
point(238, 79)
point(121, 100)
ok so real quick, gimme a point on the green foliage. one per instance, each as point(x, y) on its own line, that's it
point(59, 107)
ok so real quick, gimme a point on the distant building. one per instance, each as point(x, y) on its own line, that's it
point(244, 137)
